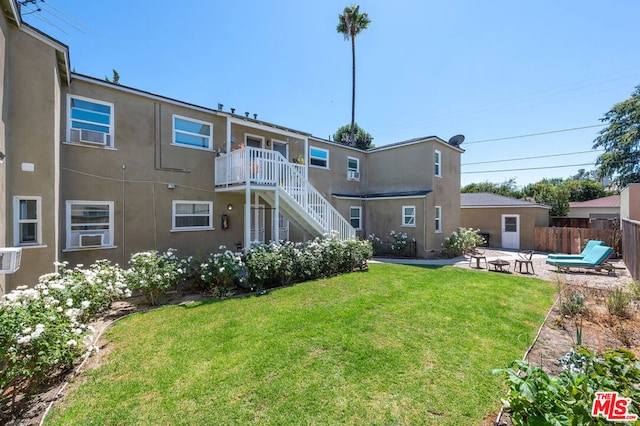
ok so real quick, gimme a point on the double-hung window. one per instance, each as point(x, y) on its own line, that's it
point(90, 122)
point(27, 217)
point(192, 133)
point(408, 215)
point(319, 157)
point(89, 224)
point(438, 219)
point(355, 217)
point(353, 168)
point(192, 215)
point(437, 160)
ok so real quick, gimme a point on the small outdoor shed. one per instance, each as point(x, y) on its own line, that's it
point(507, 222)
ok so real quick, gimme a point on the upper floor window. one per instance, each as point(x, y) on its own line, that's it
point(90, 122)
point(438, 218)
point(89, 224)
point(437, 159)
point(192, 133)
point(355, 217)
point(408, 215)
point(353, 168)
point(319, 157)
point(27, 220)
point(192, 215)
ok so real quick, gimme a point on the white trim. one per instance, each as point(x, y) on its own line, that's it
point(351, 173)
point(415, 214)
point(17, 221)
point(191, 228)
point(437, 165)
point(111, 134)
point(507, 207)
point(438, 220)
point(395, 197)
point(319, 149)
point(412, 142)
point(68, 232)
point(359, 228)
point(286, 145)
point(194, 120)
point(251, 135)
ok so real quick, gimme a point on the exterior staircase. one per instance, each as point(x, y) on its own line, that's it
point(281, 184)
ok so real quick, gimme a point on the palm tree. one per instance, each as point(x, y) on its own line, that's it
point(351, 22)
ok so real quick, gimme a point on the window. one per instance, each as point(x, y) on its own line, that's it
point(254, 141)
point(90, 122)
point(281, 147)
point(438, 218)
point(319, 157)
point(27, 229)
point(436, 161)
point(89, 224)
point(355, 217)
point(192, 215)
point(192, 133)
point(408, 215)
point(353, 168)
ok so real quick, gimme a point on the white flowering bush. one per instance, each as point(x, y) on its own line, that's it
point(222, 269)
point(271, 265)
point(45, 328)
point(398, 242)
point(376, 244)
point(460, 240)
point(153, 273)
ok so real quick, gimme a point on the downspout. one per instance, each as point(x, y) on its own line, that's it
point(124, 252)
point(424, 226)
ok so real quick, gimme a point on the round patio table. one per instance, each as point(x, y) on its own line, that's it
point(499, 265)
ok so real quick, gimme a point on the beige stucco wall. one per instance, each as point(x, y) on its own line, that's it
point(4, 109)
point(32, 89)
point(630, 202)
point(584, 212)
point(489, 220)
point(334, 179)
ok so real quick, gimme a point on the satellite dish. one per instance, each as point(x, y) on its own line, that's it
point(456, 140)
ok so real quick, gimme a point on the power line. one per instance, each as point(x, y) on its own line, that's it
point(533, 158)
point(530, 168)
point(536, 134)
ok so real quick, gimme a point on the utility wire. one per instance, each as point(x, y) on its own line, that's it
point(530, 168)
point(532, 158)
point(572, 129)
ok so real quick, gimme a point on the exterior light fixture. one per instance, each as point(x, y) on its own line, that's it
point(229, 206)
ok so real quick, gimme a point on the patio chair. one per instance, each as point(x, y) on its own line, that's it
point(525, 257)
point(477, 254)
point(595, 259)
point(587, 248)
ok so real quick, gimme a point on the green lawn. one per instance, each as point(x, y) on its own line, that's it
point(394, 345)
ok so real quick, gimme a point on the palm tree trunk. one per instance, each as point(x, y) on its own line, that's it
point(353, 89)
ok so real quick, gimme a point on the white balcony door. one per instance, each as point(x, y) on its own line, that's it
point(511, 231)
point(282, 224)
point(282, 148)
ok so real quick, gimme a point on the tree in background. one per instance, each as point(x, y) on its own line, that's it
point(115, 79)
point(556, 197)
point(507, 188)
point(350, 23)
point(621, 142)
point(361, 139)
point(584, 190)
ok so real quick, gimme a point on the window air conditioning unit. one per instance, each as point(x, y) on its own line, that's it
point(352, 174)
point(89, 136)
point(91, 240)
point(10, 258)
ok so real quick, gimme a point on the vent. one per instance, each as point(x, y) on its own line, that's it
point(91, 240)
point(10, 259)
point(89, 136)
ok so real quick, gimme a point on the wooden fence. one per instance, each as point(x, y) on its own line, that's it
point(631, 246)
point(572, 240)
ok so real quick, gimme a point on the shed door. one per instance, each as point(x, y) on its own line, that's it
point(511, 231)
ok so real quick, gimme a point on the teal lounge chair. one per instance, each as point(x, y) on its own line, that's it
point(595, 259)
point(590, 244)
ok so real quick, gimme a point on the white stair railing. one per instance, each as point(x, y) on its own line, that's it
point(269, 168)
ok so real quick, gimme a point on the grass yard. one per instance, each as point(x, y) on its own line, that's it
point(394, 345)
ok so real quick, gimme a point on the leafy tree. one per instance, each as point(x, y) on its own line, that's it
point(115, 79)
point(361, 139)
point(507, 188)
point(556, 197)
point(350, 23)
point(621, 142)
point(584, 190)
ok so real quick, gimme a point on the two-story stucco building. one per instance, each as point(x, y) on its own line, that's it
point(94, 170)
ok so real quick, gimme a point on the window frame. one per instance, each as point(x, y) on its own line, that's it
point(350, 169)
point(175, 228)
point(69, 232)
point(438, 220)
point(359, 218)
point(255, 137)
point(405, 216)
point(70, 120)
point(175, 131)
point(437, 163)
point(312, 157)
point(17, 221)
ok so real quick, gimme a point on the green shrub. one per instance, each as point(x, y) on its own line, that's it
point(221, 269)
point(572, 304)
point(461, 240)
point(153, 273)
point(618, 303)
point(536, 398)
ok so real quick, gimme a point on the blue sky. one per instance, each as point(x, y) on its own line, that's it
point(490, 70)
